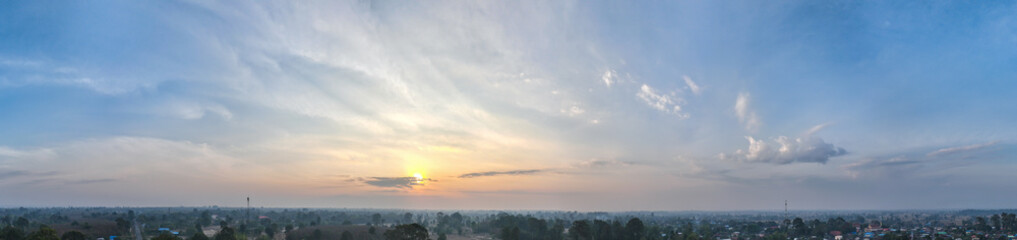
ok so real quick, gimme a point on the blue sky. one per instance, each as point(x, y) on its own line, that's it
point(529, 105)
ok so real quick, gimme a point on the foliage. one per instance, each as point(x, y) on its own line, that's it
point(407, 232)
point(226, 233)
point(12, 233)
point(580, 230)
point(199, 236)
point(44, 233)
point(347, 235)
point(73, 235)
point(634, 229)
point(166, 236)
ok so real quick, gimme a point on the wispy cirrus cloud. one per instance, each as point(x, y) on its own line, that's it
point(692, 85)
point(746, 115)
point(960, 149)
point(496, 173)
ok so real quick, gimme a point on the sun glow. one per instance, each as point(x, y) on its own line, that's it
point(419, 177)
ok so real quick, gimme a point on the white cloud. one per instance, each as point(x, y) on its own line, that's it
point(576, 110)
point(662, 102)
point(192, 110)
point(692, 85)
point(745, 114)
point(816, 129)
point(784, 150)
point(608, 77)
point(952, 150)
point(15, 153)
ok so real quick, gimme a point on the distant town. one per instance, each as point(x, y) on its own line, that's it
point(221, 223)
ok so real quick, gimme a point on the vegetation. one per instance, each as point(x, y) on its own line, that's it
point(318, 224)
point(407, 232)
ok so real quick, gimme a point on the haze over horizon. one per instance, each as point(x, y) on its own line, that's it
point(563, 105)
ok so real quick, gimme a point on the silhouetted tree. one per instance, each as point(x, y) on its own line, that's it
point(226, 233)
point(981, 225)
point(347, 235)
point(798, 227)
point(510, 233)
point(407, 232)
point(123, 225)
point(634, 229)
point(602, 230)
point(317, 235)
point(12, 233)
point(21, 223)
point(556, 232)
point(580, 230)
point(166, 236)
point(997, 222)
point(271, 229)
point(199, 236)
point(73, 235)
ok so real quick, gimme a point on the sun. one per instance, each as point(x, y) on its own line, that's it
point(419, 177)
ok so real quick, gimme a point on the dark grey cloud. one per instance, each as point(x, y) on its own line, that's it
point(923, 159)
point(4, 174)
point(396, 182)
point(496, 173)
point(12, 173)
point(91, 181)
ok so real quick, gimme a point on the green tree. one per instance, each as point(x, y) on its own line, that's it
point(602, 230)
point(12, 233)
point(618, 230)
point(205, 219)
point(21, 223)
point(1009, 221)
point(73, 235)
point(442, 236)
point(317, 235)
point(634, 229)
point(44, 233)
point(510, 233)
point(199, 236)
point(981, 225)
point(166, 236)
point(407, 218)
point(347, 235)
point(270, 230)
point(580, 230)
point(407, 232)
point(372, 230)
point(556, 232)
point(776, 236)
point(997, 224)
point(798, 225)
point(123, 225)
point(226, 233)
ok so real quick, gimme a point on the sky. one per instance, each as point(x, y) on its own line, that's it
point(538, 105)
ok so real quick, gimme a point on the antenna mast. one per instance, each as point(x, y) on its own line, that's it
point(785, 222)
point(248, 215)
